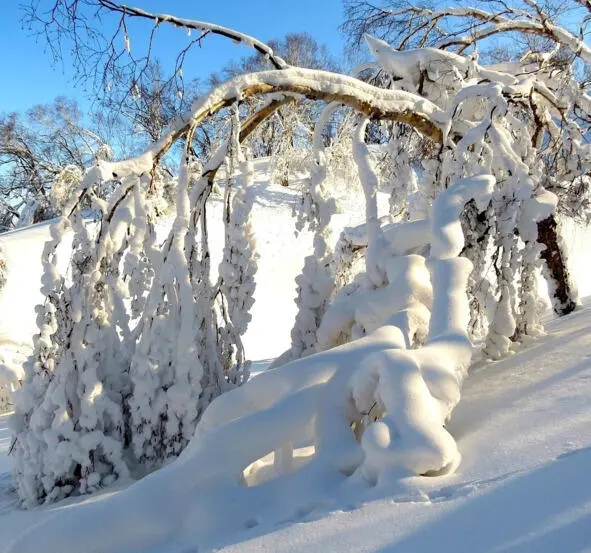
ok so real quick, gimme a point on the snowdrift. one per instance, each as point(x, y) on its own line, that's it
point(224, 512)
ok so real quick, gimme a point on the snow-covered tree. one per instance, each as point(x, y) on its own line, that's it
point(544, 106)
point(39, 152)
point(547, 41)
point(69, 416)
point(107, 393)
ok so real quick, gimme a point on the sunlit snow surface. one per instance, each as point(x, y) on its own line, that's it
point(523, 426)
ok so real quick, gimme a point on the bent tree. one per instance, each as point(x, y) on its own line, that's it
point(545, 40)
point(140, 340)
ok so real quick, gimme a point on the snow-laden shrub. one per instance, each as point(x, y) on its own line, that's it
point(69, 419)
point(128, 355)
point(165, 373)
point(64, 185)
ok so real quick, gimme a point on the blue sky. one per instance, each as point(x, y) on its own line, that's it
point(30, 77)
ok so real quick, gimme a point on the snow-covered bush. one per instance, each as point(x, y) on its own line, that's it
point(165, 374)
point(128, 353)
point(69, 419)
point(64, 185)
point(521, 170)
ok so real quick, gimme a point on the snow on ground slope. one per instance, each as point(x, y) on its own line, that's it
point(524, 429)
point(281, 253)
point(523, 426)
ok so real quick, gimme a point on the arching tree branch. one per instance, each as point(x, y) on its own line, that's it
point(203, 27)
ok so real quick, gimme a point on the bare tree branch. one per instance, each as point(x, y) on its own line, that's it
point(458, 27)
point(95, 33)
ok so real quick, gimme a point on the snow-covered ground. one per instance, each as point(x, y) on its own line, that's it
point(523, 427)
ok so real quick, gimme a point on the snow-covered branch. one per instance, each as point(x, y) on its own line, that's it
point(202, 27)
point(423, 26)
point(368, 100)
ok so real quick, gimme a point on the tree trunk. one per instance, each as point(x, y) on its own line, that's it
point(562, 292)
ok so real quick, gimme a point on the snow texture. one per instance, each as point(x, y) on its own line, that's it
point(523, 491)
point(417, 389)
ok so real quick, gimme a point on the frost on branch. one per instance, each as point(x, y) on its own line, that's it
point(64, 185)
point(402, 178)
point(237, 272)
point(315, 283)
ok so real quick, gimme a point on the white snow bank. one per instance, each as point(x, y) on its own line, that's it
point(523, 485)
point(23, 249)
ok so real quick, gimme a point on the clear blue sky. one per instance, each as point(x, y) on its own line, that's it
point(30, 77)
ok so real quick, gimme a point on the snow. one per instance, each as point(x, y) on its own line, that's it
point(363, 412)
point(408, 64)
point(448, 239)
point(525, 490)
point(23, 249)
point(273, 206)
